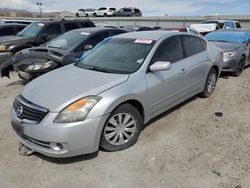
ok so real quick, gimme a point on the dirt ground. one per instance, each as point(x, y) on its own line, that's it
point(186, 147)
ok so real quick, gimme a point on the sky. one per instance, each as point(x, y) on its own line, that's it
point(148, 7)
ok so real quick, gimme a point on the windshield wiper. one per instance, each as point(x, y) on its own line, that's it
point(53, 47)
point(219, 41)
point(88, 67)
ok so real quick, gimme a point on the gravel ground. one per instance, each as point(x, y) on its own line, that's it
point(186, 147)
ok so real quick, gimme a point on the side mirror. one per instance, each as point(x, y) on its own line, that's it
point(160, 66)
point(88, 47)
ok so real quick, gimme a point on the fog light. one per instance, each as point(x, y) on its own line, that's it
point(56, 146)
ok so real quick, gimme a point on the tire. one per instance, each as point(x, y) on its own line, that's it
point(94, 15)
point(87, 15)
point(114, 136)
point(105, 15)
point(77, 15)
point(240, 67)
point(210, 84)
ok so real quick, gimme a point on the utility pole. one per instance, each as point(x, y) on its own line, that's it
point(40, 8)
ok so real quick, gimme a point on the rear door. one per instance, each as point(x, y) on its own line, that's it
point(165, 88)
point(196, 63)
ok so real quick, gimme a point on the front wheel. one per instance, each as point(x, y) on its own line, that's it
point(210, 84)
point(240, 67)
point(122, 128)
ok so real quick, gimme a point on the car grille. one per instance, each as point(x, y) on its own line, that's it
point(28, 111)
point(37, 142)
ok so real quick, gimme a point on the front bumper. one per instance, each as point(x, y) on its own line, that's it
point(5, 56)
point(76, 138)
point(230, 65)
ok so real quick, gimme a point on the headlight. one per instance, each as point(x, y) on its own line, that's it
point(43, 66)
point(227, 55)
point(2, 48)
point(78, 110)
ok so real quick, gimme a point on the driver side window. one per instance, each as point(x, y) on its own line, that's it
point(169, 50)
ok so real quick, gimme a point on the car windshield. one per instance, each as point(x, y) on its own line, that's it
point(234, 37)
point(128, 56)
point(68, 40)
point(31, 30)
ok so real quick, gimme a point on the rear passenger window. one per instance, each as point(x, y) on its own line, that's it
point(169, 50)
point(6, 31)
point(70, 26)
point(193, 45)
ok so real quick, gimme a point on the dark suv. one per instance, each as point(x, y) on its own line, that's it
point(128, 12)
point(38, 33)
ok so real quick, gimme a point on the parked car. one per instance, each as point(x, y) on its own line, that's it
point(7, 29)
point(113, 91)
point(36, 34)
point(27, 22)
point(63, 50)
point(128, 11)
point(104, 11)
point(212, 25)
point(224, 24)
point(85, 12)
point(235, 45)
point(182, 29)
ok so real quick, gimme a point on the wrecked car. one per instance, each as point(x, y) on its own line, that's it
point(36, 34)
point(235, 46)
point(63, 50)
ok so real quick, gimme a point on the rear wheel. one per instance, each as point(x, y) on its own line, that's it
point(94, 14)
point(77, 15)
point(210, 84)
point(105, 15)
point(240, 67)
point(122, 128)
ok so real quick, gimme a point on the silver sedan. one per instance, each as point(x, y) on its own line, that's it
point(105, 98)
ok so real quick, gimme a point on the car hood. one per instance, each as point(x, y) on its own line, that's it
point(57, 89)
point(227, 46)
point(12, 39)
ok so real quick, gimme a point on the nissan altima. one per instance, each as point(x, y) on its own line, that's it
point(104, 99)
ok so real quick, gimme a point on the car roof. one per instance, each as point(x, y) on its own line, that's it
point(12, 24)
point(96, 29)
point(150, 35)
point(62, 20)
point(233, 30)
point(220, 21)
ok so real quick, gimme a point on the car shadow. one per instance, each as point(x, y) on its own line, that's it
point(225, 75)
point(68, 160)
point(18, 82)
point(164, 114)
